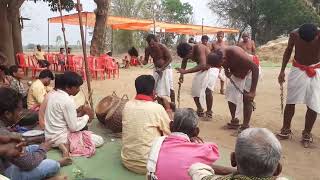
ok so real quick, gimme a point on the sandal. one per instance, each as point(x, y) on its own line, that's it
point(200, 113)
point(234, 124)
point(242, 128)
point(284, 134)
point(307, 139)
point(208, 116)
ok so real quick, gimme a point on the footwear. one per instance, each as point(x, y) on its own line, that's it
point(208, 116)
point(306, 139)
point(242, 128)
point(284, 134)
point(234, 124)
point(200, 113)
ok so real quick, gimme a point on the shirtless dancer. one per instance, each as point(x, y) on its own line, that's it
point(219, 44)
point(249, 46)
point(303, 80)
point(204, 79)
point(162, 63)
point(244, 73)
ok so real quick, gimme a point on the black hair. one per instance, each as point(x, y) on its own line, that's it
point(220, 32)
point(183, 49)
point(145, 85)
point(151, 37)
point(71, 79)
point(61, 49)
point(204, 37)
point(308, 32)
point(133, 52)
point(46, 74)
point(13, 69)
point(59, 81)
point(109, 53)
point(191, 40)
point(4, 69)
point(215, 58)
point(9, 100)
point(38, 46)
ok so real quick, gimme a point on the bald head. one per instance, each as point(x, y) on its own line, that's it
point(257, 152)
point(186, 121)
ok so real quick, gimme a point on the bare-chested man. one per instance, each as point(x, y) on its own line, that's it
point(204, 79)
point(244, 73)
point(303, 80)
point(162, 63)
point(247, 44)
point(220, 44)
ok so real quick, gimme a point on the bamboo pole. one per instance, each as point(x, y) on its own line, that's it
point(63, 29)
point(84, 47)
point(48, 36)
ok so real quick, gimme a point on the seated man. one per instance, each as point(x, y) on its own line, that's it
point(61, 57)
point(257, 157)
point(61, 119)
point(32, 164)
point(177, 152)
point(4, 80)
point(39, 55)
point(142, 121)
point(39, 89)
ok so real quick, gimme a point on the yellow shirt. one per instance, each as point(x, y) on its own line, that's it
point(39, 55)
point(142, 122)
point(36, 94)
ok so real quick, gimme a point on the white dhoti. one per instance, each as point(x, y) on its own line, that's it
point(233, 95)
point(222, 75)
point(203, 80)
point(303, 89)
point(163, 83)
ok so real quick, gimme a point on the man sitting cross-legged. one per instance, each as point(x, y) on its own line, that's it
point(14, 164)
point(61, 119)
point(171, 156)
point(142, 121)
point(257, 157)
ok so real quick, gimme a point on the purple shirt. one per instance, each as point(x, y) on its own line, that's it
point(177, 154)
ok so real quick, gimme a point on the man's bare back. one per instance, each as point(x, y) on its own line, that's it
point(160, 55)
point(200, 52)
point(306, 53)
point(237, 61)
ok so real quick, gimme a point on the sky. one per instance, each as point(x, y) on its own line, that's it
point(35, 31)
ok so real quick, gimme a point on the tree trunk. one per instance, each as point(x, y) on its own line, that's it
point(6, 43)
point(98, 40)
point(16, 34)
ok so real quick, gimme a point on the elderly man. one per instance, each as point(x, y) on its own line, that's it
point(257, 157)
point(40, 57)
point(142, 121)
point(170, 157)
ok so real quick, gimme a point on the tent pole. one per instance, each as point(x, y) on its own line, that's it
point(63, 29)
point(48, 35)
point(202, 26)
point(112, 39)
point(86, 30)
point(79, 9)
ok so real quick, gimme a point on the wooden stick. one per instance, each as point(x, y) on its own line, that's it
point(179, 93)
point(281, 97)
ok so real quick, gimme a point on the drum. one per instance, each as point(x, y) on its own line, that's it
point(109, 112)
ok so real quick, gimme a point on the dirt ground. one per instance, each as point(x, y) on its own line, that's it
point(297, 161)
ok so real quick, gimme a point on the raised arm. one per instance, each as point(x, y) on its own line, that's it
point(286, 58)
point(253, 48)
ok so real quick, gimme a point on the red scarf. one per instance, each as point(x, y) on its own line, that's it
point(256, 60)
point(310, 70)
point(143, 97)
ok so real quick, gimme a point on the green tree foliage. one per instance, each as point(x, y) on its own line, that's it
point(267, 19)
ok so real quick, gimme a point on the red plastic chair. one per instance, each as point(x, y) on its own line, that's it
point(51, 58)
point(134, 61)
point(71, 65)
point(79, 66)
point(35, 66)
point(112, 67)
point(23, 63)
point(99, 65)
